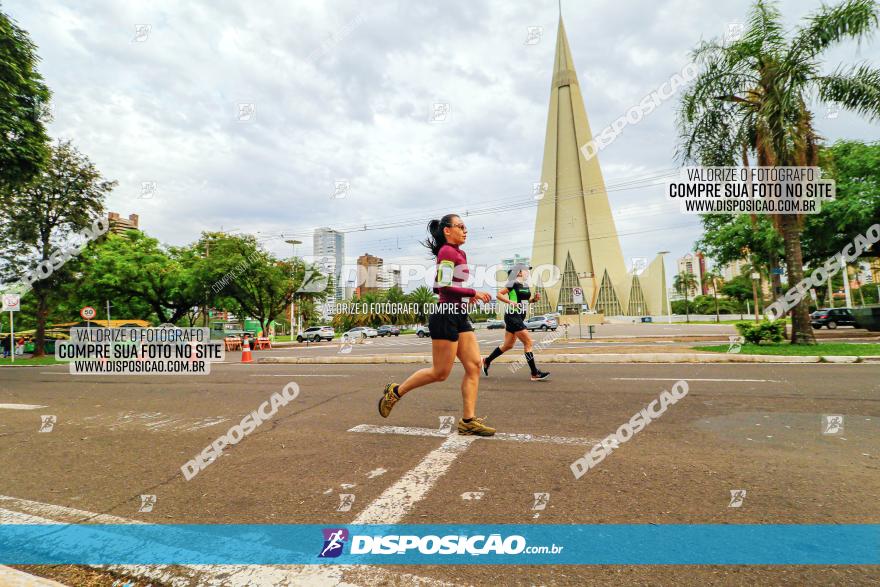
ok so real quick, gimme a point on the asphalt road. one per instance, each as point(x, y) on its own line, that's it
point(605, 336)
point(752, 427)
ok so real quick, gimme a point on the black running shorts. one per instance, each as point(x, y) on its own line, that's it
point(514, 322)
point(448, 325)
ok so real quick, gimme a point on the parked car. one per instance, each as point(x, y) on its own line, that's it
point(492, 324)
point(422, 331)
point(832, 318)
point(361, 332)
point(388, 330)
point(541, 323)
point(316, 334)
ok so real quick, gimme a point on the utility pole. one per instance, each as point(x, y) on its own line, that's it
point(293, 242)
point(846, 290)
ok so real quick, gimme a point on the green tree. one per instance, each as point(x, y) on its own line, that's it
point(251, 282)
point(24, 144)
point(855, 168)
point(739, 288)
point(682, 283)
point(134, 266)
point(42, 219)
point(753, 93)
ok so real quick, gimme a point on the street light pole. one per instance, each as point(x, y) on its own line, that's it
point(293, 242)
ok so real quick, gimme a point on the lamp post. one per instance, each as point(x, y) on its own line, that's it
point(665, 291)
point(293, 242)
point(755, 277)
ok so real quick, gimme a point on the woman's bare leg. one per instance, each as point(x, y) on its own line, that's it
point(443, 353)
point(509, 341)
point(469, 355)
point(525, 338)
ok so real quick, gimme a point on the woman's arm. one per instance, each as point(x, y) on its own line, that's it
point(502, 295)
point(445, 271)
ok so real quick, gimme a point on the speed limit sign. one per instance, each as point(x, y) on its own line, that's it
point(11, 302)
point(88, 313)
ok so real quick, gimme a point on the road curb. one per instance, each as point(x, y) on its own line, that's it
point(583, 358)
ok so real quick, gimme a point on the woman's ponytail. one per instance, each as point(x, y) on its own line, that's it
point(436, 237)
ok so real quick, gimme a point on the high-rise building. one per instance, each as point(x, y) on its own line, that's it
point(121, 225)
point(733, 269)
point(574, 228)
point(369, 274)
point(694, 264)
point(389, 276)
point(328, 249)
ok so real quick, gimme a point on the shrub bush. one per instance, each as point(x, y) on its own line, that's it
point(758, 332)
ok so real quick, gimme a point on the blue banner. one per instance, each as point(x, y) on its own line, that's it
point(504, 544)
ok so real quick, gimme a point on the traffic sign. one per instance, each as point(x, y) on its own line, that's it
point(11, 302)
point(577, 294)
point(88, 313)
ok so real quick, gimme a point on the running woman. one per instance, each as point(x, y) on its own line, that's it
point(452, 334)
point(517, 296)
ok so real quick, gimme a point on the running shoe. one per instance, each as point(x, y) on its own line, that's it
point(541, 376)
point(475, 428)
point(485, 367)
point(388, 400)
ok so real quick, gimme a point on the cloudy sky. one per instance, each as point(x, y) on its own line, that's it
point(152, 91)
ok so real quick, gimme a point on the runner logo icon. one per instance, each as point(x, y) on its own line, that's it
point(334, 540)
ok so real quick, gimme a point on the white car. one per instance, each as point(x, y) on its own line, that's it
point(316, 334)
point(541, 323)
point(361, 332)
point(422, 331)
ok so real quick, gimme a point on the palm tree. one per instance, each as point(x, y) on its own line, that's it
point(711, 279)
point(683, 283)
point(422, 296)
point(753, 96)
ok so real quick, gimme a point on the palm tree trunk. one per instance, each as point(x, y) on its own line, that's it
point(801, 329)
point(715, 295)
point(830, 301)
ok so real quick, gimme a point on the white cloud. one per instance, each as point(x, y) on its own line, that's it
point(343, 90)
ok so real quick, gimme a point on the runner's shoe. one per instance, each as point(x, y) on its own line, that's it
point(475, 428)
point(541, 376)
point(485, 367)
point(388, 400)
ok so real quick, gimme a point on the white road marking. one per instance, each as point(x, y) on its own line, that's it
point(694, 379)
point(33, 512)
point(376, 472)
point(299, 375)
point(16, 578)
point(397, 501)
point(20, 406)
point(406, 431)
point(153, 421)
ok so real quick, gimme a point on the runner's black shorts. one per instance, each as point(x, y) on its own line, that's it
point(514, 322)
point(448, 325)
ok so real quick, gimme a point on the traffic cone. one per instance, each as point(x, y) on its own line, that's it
point(246, 352)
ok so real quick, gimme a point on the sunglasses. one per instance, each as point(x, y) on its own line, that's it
point(461, 226)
